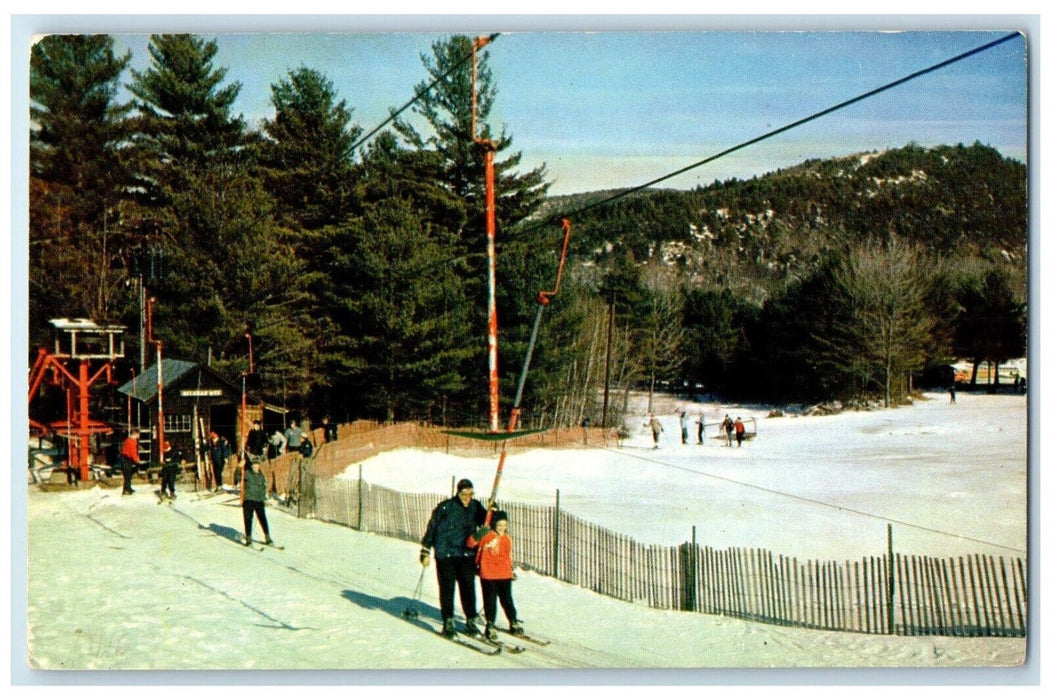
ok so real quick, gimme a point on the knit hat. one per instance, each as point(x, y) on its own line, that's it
point(498, 516)
point(464, 484)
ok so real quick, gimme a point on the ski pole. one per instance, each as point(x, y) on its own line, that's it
point(411, 611)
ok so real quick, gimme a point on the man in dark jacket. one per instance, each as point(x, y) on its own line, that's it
point(331, 430)
point(255, 445)
point(218, 451)
point(451, 523)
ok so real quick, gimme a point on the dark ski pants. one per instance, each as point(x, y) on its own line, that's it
point(493, 589)
point(127, 468)
point(168, 475)
point(258, 509)
point(456, 572)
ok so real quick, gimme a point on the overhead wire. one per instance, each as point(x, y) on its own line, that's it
point(744, 144)
point(811, 501)
point(786, 127)
point(417, 96)
point(753, 141)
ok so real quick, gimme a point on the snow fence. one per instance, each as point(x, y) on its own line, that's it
point(972, 596)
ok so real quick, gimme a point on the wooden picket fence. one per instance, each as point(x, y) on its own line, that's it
point(973, 596)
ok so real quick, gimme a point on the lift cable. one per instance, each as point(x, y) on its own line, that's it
point(812, 501)
point(787, 127)
point(419, 94)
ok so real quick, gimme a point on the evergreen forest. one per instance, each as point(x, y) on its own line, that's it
point(350, 274)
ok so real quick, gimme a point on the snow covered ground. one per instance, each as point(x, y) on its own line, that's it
point(949, 478)
point(123, 583)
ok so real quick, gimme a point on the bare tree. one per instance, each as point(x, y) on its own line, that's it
point(884, 327)
point(662, 333)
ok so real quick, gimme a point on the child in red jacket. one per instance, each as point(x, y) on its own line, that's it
point(496, 571)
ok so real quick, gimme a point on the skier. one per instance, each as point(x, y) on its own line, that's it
point(255, 444)
point(218, 451)
point(739, 430)
point(170, 466)
point(700, 428)
point(728, 429)
point(253, 501)
point(129, 462)
point(293, 437)
point(656, 428)
point(451, 523)
point(306, 447)
point(684, 425)
point(496, 571)
point(277, 444)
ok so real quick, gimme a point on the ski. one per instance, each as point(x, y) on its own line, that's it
point(482, 646)
point(413, 618)
point(250, 545)
point(274, 546)
point(527, 638)
point(509, 648)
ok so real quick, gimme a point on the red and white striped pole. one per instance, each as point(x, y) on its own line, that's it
point(490, 233)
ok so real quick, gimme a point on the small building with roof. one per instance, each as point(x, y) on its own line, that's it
point(197, 400)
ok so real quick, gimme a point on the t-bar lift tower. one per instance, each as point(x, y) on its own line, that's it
point(79, 344)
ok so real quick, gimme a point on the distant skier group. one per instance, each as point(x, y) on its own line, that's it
point(730, 428)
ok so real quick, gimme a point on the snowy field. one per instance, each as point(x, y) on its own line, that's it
point(949, 478)
point(123, 583)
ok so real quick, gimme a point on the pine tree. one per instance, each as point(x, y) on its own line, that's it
point(184, 114)
point(398, 303)
point(991, 324)
point(229, 272)
point(459, 163)
point(78, 180)
point(307, 152)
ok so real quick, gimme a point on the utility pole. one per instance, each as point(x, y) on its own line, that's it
point(609, 343)
point(142, 325)
point(160, 380)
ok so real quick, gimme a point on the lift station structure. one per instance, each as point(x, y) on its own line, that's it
point(84, 352)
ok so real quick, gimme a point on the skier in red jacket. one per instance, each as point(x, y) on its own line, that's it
point(496, 571)
point(129, 461)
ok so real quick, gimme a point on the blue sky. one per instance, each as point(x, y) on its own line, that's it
point(619, 108)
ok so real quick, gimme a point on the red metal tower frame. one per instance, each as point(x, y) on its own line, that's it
point(87, 343)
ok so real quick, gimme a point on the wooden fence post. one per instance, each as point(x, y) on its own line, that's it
point(694, 588)
point(361, 497)
point(890, 580)
point(555, 537)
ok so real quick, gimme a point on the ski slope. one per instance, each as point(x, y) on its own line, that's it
point(124, 583)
